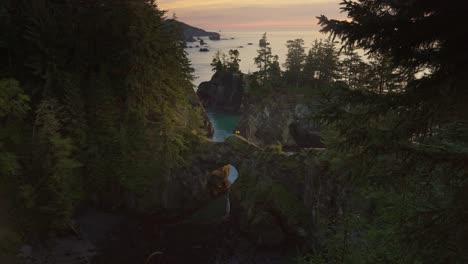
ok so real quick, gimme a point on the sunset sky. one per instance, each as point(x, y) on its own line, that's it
point(252, 15)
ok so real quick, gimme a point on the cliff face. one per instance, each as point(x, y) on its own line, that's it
point(277, 197)
point(275, 120)
point(280, 197)
point(204, 177)
point(191, 32)
point(278, 200)
point(223, 92)
point(197, 106)
point(284, 120)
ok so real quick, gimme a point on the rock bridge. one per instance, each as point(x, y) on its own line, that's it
point(234, 150)
point(206, 176)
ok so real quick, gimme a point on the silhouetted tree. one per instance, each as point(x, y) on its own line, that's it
point(295, 61)
point(406, 135)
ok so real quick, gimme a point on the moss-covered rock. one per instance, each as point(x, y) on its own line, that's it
point(297, 191)
point(240, 145)
point(193, 184)
point(281, 119)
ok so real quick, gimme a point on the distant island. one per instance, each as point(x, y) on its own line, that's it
point(190, 32)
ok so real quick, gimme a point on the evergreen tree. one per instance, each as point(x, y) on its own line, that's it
point(382, 76)
point(353, 70)
point(323, 60)
point(408, 140)
point(234, 61)
point(219, 62)
point(267, 64)
point(222, 62)
point(109, 88)
point(295, 61)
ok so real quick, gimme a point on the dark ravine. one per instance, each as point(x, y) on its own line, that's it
point(275, 207)
point(274, 211)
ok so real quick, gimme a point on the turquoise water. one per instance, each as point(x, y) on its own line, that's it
point(224, 125)
point(233, 174)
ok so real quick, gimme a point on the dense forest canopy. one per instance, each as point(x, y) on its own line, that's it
point(395, 123)
point(95, 97)
point(406, 141)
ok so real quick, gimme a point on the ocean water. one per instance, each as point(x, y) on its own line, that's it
point(233, 174)
point(224, 123)
point(201, 60)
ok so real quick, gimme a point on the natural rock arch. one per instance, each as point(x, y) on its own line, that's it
point(190, 187)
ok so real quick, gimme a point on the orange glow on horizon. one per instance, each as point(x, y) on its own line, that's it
point(251, 15)
point(273, 23)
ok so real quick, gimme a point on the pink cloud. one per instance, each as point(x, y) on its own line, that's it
point(296, 14)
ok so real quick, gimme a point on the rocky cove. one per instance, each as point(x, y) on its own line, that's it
point(279, 203)
point(334, 145)
point(279, 119)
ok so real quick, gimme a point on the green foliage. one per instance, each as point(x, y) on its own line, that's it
point(352, 70)
point(261, 195)
point(222, 63)
point(303, 75)
point(106, 104)
point(398, 137)
point(321, 62)
point(269, 72)
point(219, 61)
point(260, 198)
point(294, 61)
point(403, 134)
point(234, 60)
point(55, 184)
point(14, 105)
point(13, 101)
